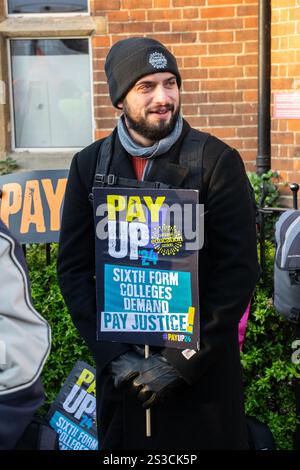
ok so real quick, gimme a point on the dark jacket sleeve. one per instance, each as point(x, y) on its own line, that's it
point(76, 258)
point(228, 265)
point(16, 412)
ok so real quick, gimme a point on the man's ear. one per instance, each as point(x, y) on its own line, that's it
point(120, 105)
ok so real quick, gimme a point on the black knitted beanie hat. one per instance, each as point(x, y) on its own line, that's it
point(131, 59)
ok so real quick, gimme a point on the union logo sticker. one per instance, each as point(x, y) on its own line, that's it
point(158, 60)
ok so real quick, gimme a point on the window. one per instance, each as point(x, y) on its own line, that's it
point(51, 91)
point(47, 6)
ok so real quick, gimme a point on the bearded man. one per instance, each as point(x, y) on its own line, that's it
point(197, 398)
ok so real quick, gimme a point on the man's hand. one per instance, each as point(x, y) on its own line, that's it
point(125, 368)
point(156, 379)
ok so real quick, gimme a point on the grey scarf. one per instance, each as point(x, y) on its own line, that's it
point(160, 147)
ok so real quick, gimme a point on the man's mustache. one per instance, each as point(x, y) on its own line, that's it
point(157, 109)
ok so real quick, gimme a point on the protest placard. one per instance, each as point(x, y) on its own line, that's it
point(147, 244)
point(73, 414)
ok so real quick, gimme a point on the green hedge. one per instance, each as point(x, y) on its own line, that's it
point(266, 357)
point(269, 373)
point(67, 346)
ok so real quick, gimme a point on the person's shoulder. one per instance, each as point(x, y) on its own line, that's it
point(86, 159)
point(84, 164)
point(215, 149)
point(213, 145)
point(89, 153)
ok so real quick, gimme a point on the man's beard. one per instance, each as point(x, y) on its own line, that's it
point(152, 132)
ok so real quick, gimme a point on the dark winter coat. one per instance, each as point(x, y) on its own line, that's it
point(206, 413)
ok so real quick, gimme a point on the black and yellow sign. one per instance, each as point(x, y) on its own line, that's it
point(73, 413)
point(31, 204)
point(147, 266)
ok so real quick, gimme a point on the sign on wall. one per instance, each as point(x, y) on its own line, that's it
point(287, 105)
point(31, 204)
point(147, 266)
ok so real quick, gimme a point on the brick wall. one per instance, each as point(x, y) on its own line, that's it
point(285, 136)
point(215, 42)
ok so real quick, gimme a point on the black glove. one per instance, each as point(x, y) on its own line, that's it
point(156, 379)
point(125, 368)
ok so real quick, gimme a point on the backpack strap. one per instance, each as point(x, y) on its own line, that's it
point(103, 161)
point(103, 178)
point(113, 180)
point(191, 157)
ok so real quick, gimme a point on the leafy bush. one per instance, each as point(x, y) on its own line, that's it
point(269, 373)
point(8, 165)
point(67, 346)
point(266, 181)
point(266, 195)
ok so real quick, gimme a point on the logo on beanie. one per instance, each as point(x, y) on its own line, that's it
point(158, 60)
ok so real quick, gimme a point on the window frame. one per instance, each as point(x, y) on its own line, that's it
point(39, 15)
point(11, 99)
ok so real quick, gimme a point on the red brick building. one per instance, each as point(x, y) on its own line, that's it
point(215, 43)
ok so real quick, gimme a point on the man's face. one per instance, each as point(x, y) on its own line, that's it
point(152, 106)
